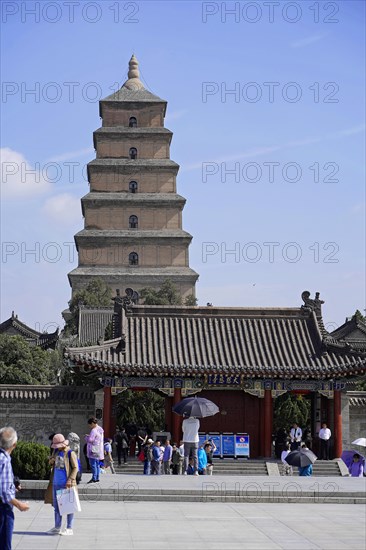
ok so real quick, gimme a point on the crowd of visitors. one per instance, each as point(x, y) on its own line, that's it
point(296, 436)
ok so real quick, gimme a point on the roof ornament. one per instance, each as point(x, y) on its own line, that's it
point(312, 304)
point(131, 297)
point(133, 83)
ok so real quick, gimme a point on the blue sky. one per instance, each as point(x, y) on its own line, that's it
point(310, 133)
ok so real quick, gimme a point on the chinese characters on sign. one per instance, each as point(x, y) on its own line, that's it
point(223, 379)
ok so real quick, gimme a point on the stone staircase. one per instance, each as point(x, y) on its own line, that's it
point(244, 467)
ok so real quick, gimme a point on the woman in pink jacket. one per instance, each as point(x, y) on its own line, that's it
point(95, 448)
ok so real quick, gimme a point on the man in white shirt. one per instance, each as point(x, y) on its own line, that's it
point(190, 429)
point(324, 436)
point(295, 436)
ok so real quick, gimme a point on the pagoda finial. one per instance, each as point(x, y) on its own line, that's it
point(133, 82)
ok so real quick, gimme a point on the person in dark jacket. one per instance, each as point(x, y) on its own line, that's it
point(122, 444)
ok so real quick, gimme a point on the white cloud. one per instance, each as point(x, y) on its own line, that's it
point(174, 115)
point(19, 178)
point(72, 155)
point(308, 40)
point(63, 208)
point(259, 151)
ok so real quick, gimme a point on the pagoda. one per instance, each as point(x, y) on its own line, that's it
point(132, 234)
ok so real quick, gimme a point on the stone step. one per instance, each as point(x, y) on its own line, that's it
point(130, 492)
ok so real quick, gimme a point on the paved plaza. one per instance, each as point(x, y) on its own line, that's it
point(195, 526)
point(107, 522)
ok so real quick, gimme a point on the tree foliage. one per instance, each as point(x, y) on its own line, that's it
point(167, 295)
point(289, 409)
point(23, 363)
point(96, 294)
point(30, 460)
point(142, 408)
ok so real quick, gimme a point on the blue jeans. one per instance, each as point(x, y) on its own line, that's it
point(6, 526)
point(147, 467)
point(95, 468)
point(58, 517)
point(190, 449)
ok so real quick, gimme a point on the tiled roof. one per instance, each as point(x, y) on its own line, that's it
point(13, 326)
point(92, 324)
point(253, 342)
point(357, 398)
point(124, 94)
point(44, 393)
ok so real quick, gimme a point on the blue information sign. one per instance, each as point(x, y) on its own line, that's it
point(228, 445)
point(242, 445)
point(217, 441)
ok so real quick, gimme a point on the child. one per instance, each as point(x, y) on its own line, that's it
point(108, 460)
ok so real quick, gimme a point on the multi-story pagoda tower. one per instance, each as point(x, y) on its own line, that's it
point(133, 233)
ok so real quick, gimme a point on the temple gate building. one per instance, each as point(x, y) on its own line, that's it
point(240, 358)
point(133, 233)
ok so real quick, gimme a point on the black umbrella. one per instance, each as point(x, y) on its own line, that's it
point(196, 406)
point(301, 458)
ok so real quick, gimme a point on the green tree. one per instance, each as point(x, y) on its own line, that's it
point(289, 409)
point(23, 363)
point(167, 295)
point(96, 294)
point(143, 408)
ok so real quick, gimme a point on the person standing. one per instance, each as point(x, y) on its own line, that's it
point(190, 428)
point(324, 435)
point(64, 465)
point(148, 456)
point(295, 436)
point(167, 457)
point(181, 458)
point(123, 444)
point(95, 448)
point(156, 459)
point(8, 442)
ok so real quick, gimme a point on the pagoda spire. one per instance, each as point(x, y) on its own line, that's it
point(133, 82)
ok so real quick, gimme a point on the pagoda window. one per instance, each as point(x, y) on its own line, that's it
point(133, 122)
point(133, 258)
point(133, 186)
point(133, 222)
point(133, 153)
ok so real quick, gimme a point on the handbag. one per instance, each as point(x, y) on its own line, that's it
point(141, 456)
point(95, 450)
point(68, 501)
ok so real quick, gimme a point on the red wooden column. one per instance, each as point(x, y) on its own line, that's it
point(107, 412)
point(176, 419)
point(337, 424)
point(267, 435)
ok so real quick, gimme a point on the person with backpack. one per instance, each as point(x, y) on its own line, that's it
point(74, 444)
point(64, 465)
